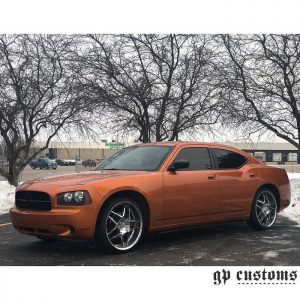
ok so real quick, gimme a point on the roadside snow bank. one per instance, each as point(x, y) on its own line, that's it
point(7, 196)
point(293, 210)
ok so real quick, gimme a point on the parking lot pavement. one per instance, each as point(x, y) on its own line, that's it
point(222, 244)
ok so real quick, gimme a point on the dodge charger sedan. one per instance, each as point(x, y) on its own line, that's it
point(151, 187)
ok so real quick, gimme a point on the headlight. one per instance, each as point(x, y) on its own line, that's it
point(74, 198)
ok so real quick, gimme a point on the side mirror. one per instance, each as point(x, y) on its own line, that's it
point(179, 164)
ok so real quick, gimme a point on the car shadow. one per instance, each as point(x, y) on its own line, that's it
point(151, 240)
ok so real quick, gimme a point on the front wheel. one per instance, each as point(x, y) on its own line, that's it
point(120, 226)
point(264, 210)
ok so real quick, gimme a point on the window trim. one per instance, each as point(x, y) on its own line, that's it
point(188, 147)
point(215, 159)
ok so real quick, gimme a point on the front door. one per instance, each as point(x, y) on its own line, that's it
point(193, 191)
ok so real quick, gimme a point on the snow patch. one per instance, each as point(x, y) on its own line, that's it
point(222, 259)
point(293, 210)
point(270, 254)
point(7, 196)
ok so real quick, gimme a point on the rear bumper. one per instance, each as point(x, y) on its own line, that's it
point(71, 222)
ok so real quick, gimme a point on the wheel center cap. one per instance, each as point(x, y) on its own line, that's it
point(265, 209)
point(124, 226)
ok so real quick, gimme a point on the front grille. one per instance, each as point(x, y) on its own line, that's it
point(33, 200)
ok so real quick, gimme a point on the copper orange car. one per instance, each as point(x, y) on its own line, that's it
point(149, 187)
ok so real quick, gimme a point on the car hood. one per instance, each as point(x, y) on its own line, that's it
point(80, 178)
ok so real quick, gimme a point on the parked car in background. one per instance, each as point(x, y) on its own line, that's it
point(92, 162)
point(43, 163)
point(70, 162)
point(88, 163)
point(151, 187)
point(60, 162)
point(66, 162)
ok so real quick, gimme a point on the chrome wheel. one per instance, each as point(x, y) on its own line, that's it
point(266, 209)
point(123, 225)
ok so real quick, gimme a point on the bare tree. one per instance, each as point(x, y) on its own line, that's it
point(37, 98)
point(261, 78)
point(157, 85)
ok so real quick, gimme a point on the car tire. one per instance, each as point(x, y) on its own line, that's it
point(264, 210)
point(121, 225)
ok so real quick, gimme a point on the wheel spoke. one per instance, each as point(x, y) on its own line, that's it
point(268, 219)
point(116, 214)
point(129, 214)
point(260, 213)
point(112, 230)
point(115, 236)
point(122, 240)
point(260, 205)
point(124, 211)
point(262, 218)
point(112, 220)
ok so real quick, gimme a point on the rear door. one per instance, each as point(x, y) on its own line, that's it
point(237, 180)
point(193, 191)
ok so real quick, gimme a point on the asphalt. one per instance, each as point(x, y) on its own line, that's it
point(227, 244)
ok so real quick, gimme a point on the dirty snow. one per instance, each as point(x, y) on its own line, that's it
point(7, 193)
point(293, 210)
point(270, 254)
point(7, 196)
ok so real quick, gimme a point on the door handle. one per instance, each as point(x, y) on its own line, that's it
point(252, 175)
point(211, 176)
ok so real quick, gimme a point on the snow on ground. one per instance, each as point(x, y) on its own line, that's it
point(7, 194)
point(293, 210)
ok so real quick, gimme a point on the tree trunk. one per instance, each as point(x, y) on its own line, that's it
point(13, 179)
point(13, 175)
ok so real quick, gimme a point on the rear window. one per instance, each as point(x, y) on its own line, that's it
point(226, 159)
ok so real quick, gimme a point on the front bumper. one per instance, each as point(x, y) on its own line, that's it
point(58, 222)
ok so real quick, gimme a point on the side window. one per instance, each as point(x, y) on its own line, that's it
point(198, 158)
point(228, 160)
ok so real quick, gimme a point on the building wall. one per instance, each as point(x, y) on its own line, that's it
point(72, 153)
point(84, 153)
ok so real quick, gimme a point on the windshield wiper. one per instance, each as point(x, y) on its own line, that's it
point(111, 169)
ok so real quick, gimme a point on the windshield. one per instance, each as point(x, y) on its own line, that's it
point(144, 158)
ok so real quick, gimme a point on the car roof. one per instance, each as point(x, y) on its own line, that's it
point(181, 143)
point(203, 144)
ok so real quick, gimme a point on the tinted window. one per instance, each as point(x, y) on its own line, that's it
point(148, 158)
point(228, 160)
point(198, 158)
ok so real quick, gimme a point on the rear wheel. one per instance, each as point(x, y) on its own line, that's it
point(120, 226)
point(264, 210)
